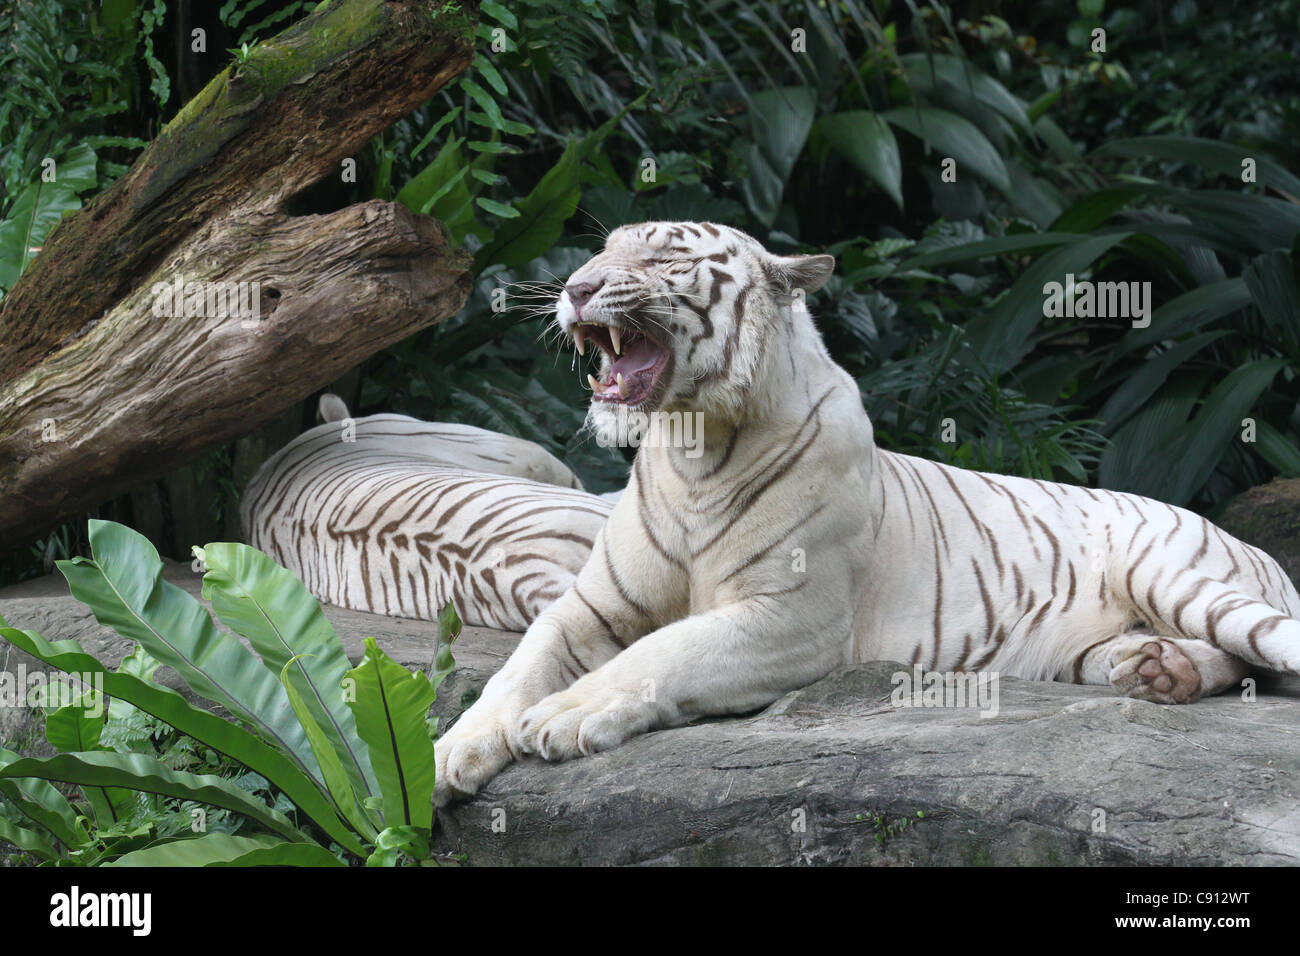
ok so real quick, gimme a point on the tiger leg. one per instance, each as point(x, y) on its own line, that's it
point(1235, 619)
point(1164, 670)
point(567, 640)
point(729, 660)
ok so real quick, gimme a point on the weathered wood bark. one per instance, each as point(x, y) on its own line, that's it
point(98, 392)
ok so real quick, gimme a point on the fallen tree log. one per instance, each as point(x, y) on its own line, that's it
point(185, 305)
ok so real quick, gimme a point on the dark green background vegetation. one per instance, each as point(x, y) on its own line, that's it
point(1117, 166)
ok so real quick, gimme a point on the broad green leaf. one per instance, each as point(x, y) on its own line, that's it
point(1092, 209)
point(1218, 423)
point(391, 706)
point(1186, 313)
point(1137, 458)
point(779, 123)
point(140, 663)
point(866, 141)
point(1147, 378)
point(150, 775)
point(1037, 198)
point(71, 729)
point(1271, 278)
point(222, 735)
point(545, 210)
point(123, 586)
point(1230, 219)
point(929, 70)
point(224, 849)
point(265, 603)
point(77, 169)
point(953, 136)
point(40, 802)
point(694, 203)
point(36, 210)
point(1001, 335)
point(1061, 146)
point(29, 840)
point(1275, 449)
point(1017, 244)
point(336, 777)
point(1209, 154)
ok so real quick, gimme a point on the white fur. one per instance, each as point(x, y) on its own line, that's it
point(392, 515)
point(724, 581)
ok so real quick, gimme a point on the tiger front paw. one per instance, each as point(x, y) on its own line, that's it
point(480, 744)
point(582, 721)
point(466, 761)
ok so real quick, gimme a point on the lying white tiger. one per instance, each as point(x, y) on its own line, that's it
point(398, 516)
point(695, 602)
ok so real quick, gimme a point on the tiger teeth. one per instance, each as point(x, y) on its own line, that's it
point(622, 386)
point(595, 385)
point(579, 339)
point(616, 338)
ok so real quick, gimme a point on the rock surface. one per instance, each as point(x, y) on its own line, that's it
point(834, 773)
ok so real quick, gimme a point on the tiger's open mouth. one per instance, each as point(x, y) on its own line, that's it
point(634, 362)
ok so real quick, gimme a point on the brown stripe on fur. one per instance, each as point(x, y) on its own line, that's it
point(618, 584)
point(1128, 579)
point(601, 618)
point(1079, 661)
point(1270, 623)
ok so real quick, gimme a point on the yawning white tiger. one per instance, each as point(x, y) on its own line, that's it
point(792, 545)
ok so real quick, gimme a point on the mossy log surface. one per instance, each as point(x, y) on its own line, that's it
point(98, 393)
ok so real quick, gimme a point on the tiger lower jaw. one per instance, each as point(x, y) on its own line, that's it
point(635, 367)
point(622, 424)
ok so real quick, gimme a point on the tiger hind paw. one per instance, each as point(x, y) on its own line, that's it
point(1158, 670)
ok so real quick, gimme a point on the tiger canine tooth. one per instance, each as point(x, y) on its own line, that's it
point(595, 385)
point(622, 386)
point(579, 339)
point(616, 337)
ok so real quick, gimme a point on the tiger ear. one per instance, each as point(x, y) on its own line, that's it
point(809, 273)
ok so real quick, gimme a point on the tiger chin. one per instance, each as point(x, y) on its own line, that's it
point(787, 545)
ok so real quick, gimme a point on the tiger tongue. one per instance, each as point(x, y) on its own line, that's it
point(637, 357)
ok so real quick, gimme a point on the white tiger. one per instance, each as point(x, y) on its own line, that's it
point(394, 515)
point(695, 602)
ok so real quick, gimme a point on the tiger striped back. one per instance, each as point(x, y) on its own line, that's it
point(393, 515)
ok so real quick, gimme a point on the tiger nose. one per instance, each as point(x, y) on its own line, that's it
point(580, 293)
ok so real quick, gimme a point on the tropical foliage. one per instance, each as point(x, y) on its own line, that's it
point(938, 305)
point(817, 127)
point(321, 763)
